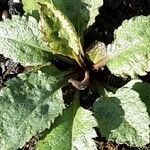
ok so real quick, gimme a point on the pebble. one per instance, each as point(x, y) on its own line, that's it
point(16, 1)
point(5, 14)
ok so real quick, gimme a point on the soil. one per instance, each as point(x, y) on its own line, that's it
point(111, 15)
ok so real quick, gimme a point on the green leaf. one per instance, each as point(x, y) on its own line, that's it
point(130, 52)
point(59, 32)
point(31, 7)
point(28, 105)
point(97, 52)
point(22, 41)
point(125, 116)
point(81, 13)
point(72, 131)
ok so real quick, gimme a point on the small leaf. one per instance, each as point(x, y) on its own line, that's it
point(125, 116)
point(22, 42)
point(28, 105)
point(31, 7)
point(97, 52)
point(81, 13)
point(72, 131)
point(130, 52)
point(58, 32)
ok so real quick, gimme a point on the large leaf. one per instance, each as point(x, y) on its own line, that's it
point(28, 105)
point(72, 131)
point(125, 115)
point(59, 32)
point(130, 52)
point(22, 41)
point(81, 13)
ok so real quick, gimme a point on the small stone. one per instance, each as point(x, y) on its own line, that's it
point(5, 14)
point(16, 1)
point(3, 68)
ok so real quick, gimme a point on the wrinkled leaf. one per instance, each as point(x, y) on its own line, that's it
point(81, 13)
point(72, 131)
point(130, 52)
point(22, 41)
point(125, 116)
point(97, 52)
point(28, 105)
point(31, 7)
point(59, 32)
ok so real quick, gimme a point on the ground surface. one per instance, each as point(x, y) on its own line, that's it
point(111, 16)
